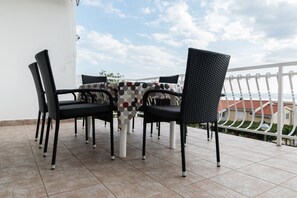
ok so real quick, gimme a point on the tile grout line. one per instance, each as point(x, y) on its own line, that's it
point(36, 163)
point(88, 170)
point(157, 180)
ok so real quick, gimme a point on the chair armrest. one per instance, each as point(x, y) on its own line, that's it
point(147, 93)
point(73, 91)
point(67, 91)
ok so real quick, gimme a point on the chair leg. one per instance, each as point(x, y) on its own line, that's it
point(42, 130)
point(75, 127)
point(182, 143)
point(37, 126)
point(49, 120)
point(111, 138)
point(207, 129)
point(217, 143)
point(93, 130)
point(211, 131)
point(86, 131)
point(105, 124)
point(159, 128)
point(83, 124)
point(55, 144)
point(133, 123)
point(185, 134)
point(144, 139)
point(152, 125)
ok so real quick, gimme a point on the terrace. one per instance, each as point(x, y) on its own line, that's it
point(249, 168)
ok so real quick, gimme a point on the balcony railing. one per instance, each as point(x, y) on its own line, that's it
point(257, 98)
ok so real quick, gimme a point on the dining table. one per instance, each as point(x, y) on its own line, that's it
point(127, 98)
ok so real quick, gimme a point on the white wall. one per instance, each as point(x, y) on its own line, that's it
point(27, 27)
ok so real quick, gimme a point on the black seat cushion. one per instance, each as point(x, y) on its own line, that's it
point(69, 102)
point(166, 112)
point(82, 110)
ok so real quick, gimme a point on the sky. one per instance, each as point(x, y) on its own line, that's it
point(147, 38)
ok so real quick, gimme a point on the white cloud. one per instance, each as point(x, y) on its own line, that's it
point(261, 28)
point(277, 2)
point(166, 38)
point(183, 28)
point(104, 6)
point(101, 48)
point(252, 32)
point(146, 10)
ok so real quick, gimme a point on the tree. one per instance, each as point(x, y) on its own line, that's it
point(112, 77)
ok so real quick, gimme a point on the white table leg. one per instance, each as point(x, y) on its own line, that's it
point(123, 140)
point(129, 126)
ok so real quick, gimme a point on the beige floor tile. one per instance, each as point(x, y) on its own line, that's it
point(243, 184)
point(224, 148)
point(151, 163)
point(267, 149)
point(290, 156)
point(278, 192)
point(206, 168)
point(167, 194)
point(208, 189)
point(84, 171)
point(249, 155)
point(58, 181)
point(281, 164)
point(25, 188)
point(291, 184)
point(92, 191)
point(111, 171)
point(200, 152)
point(14, 149)
point(175, 158)
point(19, 160)
point(16, 173)
point(138, 185)
point(273, 175)
point(171, 177)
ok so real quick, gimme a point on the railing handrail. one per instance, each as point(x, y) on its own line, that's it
point(265, 66)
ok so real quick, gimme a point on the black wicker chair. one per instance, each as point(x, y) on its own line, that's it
point(42, 103)
point(92, 79)
point(204, 78)
point(57, 112)
point(162, 79)
point(165, 101)
point(169, 79)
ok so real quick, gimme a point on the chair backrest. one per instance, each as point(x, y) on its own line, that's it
point(38, 85)
point(93, 79)
point(43, 62)
point(204, 79)
point(169, 79)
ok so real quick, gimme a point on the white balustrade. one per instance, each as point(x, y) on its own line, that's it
point(254, 96)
